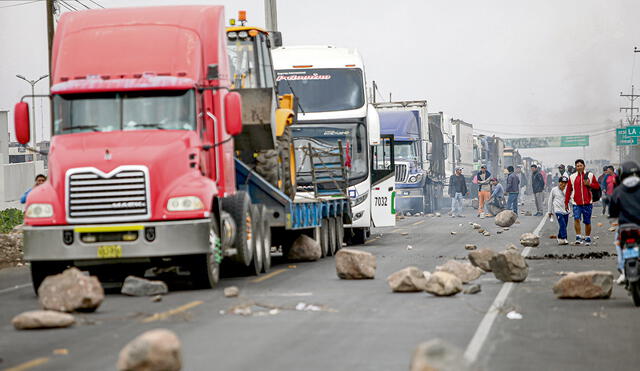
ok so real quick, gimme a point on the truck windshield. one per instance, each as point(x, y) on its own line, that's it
point(325, 137)
point(405, 150)
point(164, 110)
point(322, 90)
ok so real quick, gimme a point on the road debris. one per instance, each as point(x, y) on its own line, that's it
point(473, 289)
point(505, 218)
point(156, 299)
point(486, 233)
point(304, 248)
point(154, 350)
point(612, 229)
point(505, 229)
point(481, 230)
point(71, 291)
point(464, 271)
point(409, 247)
point(11, 249)
point(514, 315)
point(580, 256)
point(405, 233)
point(481, 258)
point(470, 247)
point(476, 226)
point(37, 319)
point(585, 285)
point(453, 233)
point(529, 239)
point(61, 352)
point(600, 224)
point(499, 231)
point(511, 247)
point(303, 307)
point(553, 236)
point(410, 279)
point(443, 284)
point(509, 266)
point(437, 355)
point(136, 286)
point(438, 215)
point(231, 291)
point(355, 264)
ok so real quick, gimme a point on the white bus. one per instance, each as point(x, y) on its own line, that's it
point(329, 83)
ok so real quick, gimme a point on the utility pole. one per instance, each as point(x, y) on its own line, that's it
point(631, 118)
point(50, 27)
point(271, 15)
point(373, 91)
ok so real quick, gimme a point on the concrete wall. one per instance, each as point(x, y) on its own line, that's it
point(15, 179)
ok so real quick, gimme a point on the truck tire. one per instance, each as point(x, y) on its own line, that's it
point(267, 166)
point(255, 266)
point(266, 239)
point(359, 236)
point(339, 233)
point(332, 236)
point(239, 207)
point(287, 162)
point(205, 268)
point(41, 269)
point(324, 238)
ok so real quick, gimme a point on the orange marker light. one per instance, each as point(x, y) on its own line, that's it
point(253, 33)
point(242, 15)
point(349, 65)
point(304, 66)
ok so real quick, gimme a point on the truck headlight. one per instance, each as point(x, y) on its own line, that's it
point(186, 203)
point(39, 211)
point(414, 178)
point(360, 199)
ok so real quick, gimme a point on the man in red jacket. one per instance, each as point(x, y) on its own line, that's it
point(579, 193)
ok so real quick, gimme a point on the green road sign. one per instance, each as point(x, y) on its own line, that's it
point(574, 141)
point(623, 138)
point(545, 142)
point(632, 131)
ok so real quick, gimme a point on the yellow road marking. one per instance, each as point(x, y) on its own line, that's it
point(368, 241)
point(169, 313)
point(267, 276)
point(30, 364)
point(419, 222)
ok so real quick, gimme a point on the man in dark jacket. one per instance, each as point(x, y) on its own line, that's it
point(513, 190)
point(537, 186)
point(457, 190)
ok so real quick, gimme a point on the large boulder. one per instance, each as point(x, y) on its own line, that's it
point(136, 286)
point(355, 264)
point(506, 218)
point(305, 248)
point(443, 284)
point(481, 258)
point(585, 285)
point(410, 279)
point(71, 291)
point(42, 319)
point(529, 239)
point(509, 266)
point(465, 271)
point(155, 350)
point(437, 355)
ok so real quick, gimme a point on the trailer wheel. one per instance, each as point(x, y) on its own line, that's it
point(332, 236)
point(287, 162)
point(266, 239)
point(324, 238)
point(256, 240)
point(239, 207)
point(42, 269)
point(339, 232)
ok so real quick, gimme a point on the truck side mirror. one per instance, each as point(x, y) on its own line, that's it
point(275, 38)
point(212, 72)
point(233, 113)
point(21, 122)
point(373, 121)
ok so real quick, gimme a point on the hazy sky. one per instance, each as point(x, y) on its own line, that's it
point(540, 67)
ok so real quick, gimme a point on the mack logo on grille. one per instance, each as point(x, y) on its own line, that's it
point(128, 204)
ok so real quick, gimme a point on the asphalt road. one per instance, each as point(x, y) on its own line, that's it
point(361, 325)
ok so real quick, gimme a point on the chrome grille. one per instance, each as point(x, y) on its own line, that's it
point(122, 195)
point(401, 173)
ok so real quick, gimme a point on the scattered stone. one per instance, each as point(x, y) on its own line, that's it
point(615, 224)
point(156, 299)
point(509, 266)
point(61, 352)
point(529, 239)
point(430, 215)
point(612, 229)
point(476, 226)
point(481, 230)
point(71, 291)
point(409, 279)
point(355, 264)
point(512, 247)
point(517, 222)
point(464, 271)
point(304, 248)
point(409, 247)
point(453, 233)
point(499, 231)
point(437, 355)
point(154, 350)
point(443, 284)
point(580, 256)
point(527, 213)
point(426, 274)
point(231, 291)
point(514, 315)
point(506, 218)
point(505, 229)
point(473, 289)
point(585, 285)
point(470, 247)
point(136, 286)
point(438, 215)
point(486, 234)
point(481, 258)
point(600, 224)
point(405, 233)
point(553, 236)
point(36, 319)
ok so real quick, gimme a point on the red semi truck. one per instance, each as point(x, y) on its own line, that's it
point(142, 167)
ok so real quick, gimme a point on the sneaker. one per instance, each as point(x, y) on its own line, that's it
point(565, 242)
point(621, 279)
point(578, 240)
point(587, 241)
point(560, 241)
point(537, 214)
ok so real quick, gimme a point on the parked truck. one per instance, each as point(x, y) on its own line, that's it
point(488, 151)
point(464, 139)
point(143, 167)
point(419, 155)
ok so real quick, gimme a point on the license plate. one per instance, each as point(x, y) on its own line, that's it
point(631, 253)
point(110, 251)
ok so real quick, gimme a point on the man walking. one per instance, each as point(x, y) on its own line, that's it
point(579, 192)
point(537, 185)
point(608, 181)
point(513, 190)
point(484, 189)
point(522, 178)
point(457, 190)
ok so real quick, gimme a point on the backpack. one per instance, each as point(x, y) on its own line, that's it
point(596, 194)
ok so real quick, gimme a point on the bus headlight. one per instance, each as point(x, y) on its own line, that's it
point(39, 211)
point(360, 199)
point(186, 203)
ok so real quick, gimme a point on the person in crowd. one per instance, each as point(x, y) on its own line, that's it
point(556, 206)
point(608, 181)
point(537, 186)
point(484, 189)
point(579, 192)
point(522, 178)
point(40, 178)
point(513, 190)
point(457, 190)
point(625, 204)
point(496, 201)
point(570, 170)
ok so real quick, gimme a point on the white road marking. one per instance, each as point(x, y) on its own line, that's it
point(16, 287)
point(482, 333)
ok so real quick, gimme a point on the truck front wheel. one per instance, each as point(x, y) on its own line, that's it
point(205, 268)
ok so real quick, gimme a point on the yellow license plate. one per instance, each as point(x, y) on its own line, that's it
point(110, 251)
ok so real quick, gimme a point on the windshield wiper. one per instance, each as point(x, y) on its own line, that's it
point(150, 125)
point(81, 127)
point(297, 98)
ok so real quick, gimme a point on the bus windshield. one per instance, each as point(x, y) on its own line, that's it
point(353, 138)
point(322, 90)
point(164, 110)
